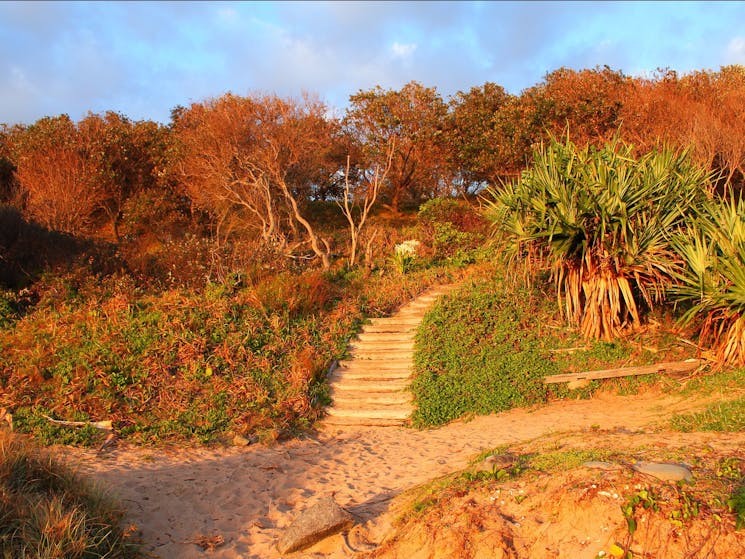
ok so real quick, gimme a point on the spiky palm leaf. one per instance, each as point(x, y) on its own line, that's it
point(604, 218)
point(712, 281)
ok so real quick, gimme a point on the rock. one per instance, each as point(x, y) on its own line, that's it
point(664, 471)
point(599, 465)
point(496, 462)
point(323, 519)
point(240, 440)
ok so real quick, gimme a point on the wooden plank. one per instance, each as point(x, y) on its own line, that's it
point(667, 367)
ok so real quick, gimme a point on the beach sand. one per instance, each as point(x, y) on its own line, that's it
point(181, 497)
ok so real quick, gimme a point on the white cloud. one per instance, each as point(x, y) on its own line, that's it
point(403, 50)
point(736, 49)
point(228, 15)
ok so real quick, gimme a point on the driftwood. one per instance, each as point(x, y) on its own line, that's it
point(102, 425)
point(668, 367)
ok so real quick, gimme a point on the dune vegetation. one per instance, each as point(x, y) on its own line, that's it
point(194, 281)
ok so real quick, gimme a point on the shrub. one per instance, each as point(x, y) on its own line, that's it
point(459, 214)
point(712, 281)
point(602, 219)
point(453, 228)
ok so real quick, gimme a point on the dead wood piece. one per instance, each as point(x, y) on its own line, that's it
point(667, 367)
point(104, 425)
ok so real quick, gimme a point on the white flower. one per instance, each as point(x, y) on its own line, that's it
point(407, 248)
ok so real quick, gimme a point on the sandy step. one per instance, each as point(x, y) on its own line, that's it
point(371, 385)
point(390, 327)
point(365, 345)
point(383, 400)
point(381, 354)
point(371, 412)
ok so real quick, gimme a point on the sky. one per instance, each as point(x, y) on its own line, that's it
point(142, 59)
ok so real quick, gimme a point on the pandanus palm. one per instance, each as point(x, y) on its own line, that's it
point(603, 219)
point(712, 281)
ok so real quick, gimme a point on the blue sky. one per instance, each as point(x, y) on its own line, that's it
point(144, 58)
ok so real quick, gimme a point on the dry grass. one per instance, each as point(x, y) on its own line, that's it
point(46, 511)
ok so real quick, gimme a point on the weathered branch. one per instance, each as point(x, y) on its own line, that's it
point(667, 367)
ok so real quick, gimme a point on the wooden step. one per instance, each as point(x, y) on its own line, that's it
point(392, 337)
point(371, 412)
point(330, 421)
point(373, 374)
point(390, 327)
point(368, 364)
point(406, 345)
point(379, 400)
point(371, 387)
point(398, 321)
point(380, 355)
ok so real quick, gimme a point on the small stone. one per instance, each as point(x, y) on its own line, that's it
point(496, 462)
point(240, 440)
point(599, 465)
point(320, 521)
point(664, 471)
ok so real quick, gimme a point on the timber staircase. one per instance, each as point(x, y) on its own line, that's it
point(371, 388)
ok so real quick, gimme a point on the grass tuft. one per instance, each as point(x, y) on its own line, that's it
point(728, 416)
point(46, 511)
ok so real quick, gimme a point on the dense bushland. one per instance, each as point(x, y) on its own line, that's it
point(194, 279)
point(237, 357)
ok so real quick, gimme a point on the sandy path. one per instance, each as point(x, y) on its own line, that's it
point(247, 495)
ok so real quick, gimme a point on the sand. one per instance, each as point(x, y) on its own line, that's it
point(246, 496)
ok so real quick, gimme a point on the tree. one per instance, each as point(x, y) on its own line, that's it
point(704, 110)
point(416, 117)
point(480, 145)
point(588, 102)
point(253, 163)
point(359, 198)
point(124, 155)
point(72, 174)
point(8, 184)
point(57, 177)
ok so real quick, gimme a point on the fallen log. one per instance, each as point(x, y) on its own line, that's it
point(667, 367)
point(100, 425)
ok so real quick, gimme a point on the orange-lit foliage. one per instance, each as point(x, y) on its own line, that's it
point(70, 173)
point(253, 162)
point(7, 169)
point(414, 118)
point(492, 133)
point(586, 101)
point(480, 143)
point(704, 110)
point(127, 156)
point(56, 174)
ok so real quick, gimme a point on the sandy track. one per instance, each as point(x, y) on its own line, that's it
point(247, 495)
